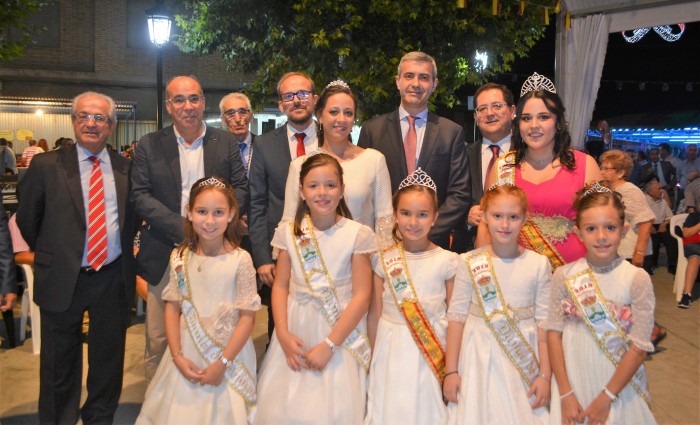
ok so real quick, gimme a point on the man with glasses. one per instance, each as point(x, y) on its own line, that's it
point(412, 137)
point(494, 111)
point(76, 217)
point(272, 153)
point(166, 164)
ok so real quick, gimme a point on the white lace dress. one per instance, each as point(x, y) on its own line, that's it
point(628, 290)
point(402, 387)
point(225, 285)
point(367, 188)
point(492, 390)
point(337, 394)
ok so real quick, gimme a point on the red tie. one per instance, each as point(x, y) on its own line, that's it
point(300, 144)
point(494, 151)
point(410, 143)
point(97, 222)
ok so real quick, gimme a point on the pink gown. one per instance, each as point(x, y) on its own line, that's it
point(556, 197)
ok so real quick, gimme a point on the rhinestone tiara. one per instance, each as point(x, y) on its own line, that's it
point(537, 82)
point(338, 82)
point(495, 185)
point(596, 188)
point(212, 181)
point(418, 177)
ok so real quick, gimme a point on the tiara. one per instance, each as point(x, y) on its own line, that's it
point(537, 82)
point(212, 181)
point(495, 185)
point(338, 82)
point(596, 188)
point(418, 177)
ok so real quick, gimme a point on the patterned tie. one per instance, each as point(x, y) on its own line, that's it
point(97, 222)
point(656, 169)
point(495, 149)
point(410, 143)
point(242, 146)
point(301, 151)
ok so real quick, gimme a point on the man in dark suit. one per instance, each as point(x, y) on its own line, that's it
point(76, 216)
point(412, 137)
point(494, 110)
point(272, 153)
point(166, 164)
point(662, 169)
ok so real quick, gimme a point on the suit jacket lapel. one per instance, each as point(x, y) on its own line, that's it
point(171, 154)
point(68, 163)
point(429, 139)
point(395, 141)
point(209, 145)
point(121, 181)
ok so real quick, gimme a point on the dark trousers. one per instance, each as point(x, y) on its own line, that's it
point(669, 242)
point(60, 374)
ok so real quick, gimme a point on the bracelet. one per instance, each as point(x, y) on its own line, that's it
point(450, 373)
point(638, 251)
point(562, 397)
point(224, 361)
point(548, 379)
point(609, 393)
point(179, 353)
point(330, 343)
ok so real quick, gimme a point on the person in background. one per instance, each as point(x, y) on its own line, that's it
point(660, 232)
point(8, 159)
point(692, 193)
point(665, 155)
point(29, 152)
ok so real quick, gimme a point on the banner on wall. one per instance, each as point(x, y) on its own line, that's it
point(7, 134)
point(25, 134)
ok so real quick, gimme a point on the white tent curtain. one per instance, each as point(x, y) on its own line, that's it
point(586, 44)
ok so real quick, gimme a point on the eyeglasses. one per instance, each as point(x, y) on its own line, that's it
point(194, 100)
point(495, 107)
point(100, 119)
point(240, 111)
point(301, 94)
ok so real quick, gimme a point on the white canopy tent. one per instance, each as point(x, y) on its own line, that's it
point(580, 50)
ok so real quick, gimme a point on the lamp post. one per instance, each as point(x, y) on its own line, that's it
point(159, 22)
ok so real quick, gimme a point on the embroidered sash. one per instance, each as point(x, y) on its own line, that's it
point(237, 375)
point(406, 300)
point(498, 317)
point(530, 235)
point(316, 275)
point(603, 325)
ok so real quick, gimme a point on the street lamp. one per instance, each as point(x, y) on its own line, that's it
point(159, 22)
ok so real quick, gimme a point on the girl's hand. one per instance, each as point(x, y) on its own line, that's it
point(317, 358)
point(213, 374)
point(293, 349)
point(540, 388)
point(450, 387)
point(188, 369)
point(597, 413)
point(571, 411)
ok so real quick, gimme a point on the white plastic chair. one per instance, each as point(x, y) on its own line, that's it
point(682, 264)
point(30, 309)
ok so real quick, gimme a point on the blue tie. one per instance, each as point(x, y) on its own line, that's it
point(243, 147)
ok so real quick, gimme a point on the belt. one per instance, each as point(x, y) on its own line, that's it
point(90, 270)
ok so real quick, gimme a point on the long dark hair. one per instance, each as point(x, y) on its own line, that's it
point(233, 231)
point(315, 161)
point(562, 138)
point(321, 105)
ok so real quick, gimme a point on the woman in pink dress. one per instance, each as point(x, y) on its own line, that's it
point(543, 164)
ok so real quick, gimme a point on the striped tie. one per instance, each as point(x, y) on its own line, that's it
point(97, 222)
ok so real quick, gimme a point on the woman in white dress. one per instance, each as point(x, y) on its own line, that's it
point(497, 369)
point(315, 370)
point(367, 183)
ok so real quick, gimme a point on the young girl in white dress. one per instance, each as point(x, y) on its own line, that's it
point(316, 367)
point(413, 283)
point(497, 369)
point(601, 316)
point(210, 305)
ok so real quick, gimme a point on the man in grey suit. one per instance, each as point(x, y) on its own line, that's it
point(166, 164)
point(494, 110)
point(437, 145)
point(76, 216)
point(272, 153)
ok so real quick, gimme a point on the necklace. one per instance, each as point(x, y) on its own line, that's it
point(199, 267)
point(541, 161)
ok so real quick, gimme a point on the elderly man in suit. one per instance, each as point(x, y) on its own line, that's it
point(412, 137)
point(494, 110)
point(272, 153)
point(166, 164)
point(664, 170)
point(76, 216)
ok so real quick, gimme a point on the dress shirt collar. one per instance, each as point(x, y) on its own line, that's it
point(197, 142)
point(84, 154)
point(423, 115)
point(501, 144)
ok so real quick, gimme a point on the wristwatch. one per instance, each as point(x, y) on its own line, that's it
point(224, 361)
point(330, 344)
